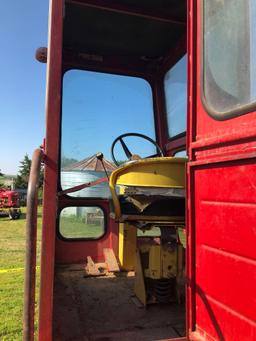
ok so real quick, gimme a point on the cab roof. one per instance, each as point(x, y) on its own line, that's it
point(143, 30)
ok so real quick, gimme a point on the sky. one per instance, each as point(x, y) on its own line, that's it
point(115, 107)
point(23, 28)
point(98, 107)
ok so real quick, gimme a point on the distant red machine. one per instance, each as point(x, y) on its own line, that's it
point(9, 203)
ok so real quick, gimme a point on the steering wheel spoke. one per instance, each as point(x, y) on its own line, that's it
point(127, 152)
point(150, 156)
point(125, 148)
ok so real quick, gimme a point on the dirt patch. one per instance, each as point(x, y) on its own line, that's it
point(102, 309)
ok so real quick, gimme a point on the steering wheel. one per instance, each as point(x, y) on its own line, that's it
point(128, 154)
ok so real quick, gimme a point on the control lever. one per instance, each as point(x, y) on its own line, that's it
point(100, 157)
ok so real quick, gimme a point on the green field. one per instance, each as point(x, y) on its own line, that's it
point(12, 255)
point(6, 180)
point(73, 227)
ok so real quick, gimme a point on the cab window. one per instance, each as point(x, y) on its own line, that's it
point(175, 87)
point(82, 222)
point(96, 108)
point(181, 153)
point(229, 57)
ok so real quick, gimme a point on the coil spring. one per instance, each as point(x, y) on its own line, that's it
point(163, 290)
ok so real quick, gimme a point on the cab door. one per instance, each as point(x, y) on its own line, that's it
point(221, 170)
point(96, 108)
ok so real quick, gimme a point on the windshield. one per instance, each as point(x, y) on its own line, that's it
point(96, 108)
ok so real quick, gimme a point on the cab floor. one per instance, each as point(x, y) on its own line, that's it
point(103, 309)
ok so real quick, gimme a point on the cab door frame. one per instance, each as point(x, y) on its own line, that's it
point(221, 191)
point(51, 150)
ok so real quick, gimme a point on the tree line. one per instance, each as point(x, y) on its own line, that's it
point(21, 180)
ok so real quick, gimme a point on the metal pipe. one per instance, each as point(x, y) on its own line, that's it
point(31, 235)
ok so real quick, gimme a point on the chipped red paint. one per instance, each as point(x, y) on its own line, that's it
point(221, 216)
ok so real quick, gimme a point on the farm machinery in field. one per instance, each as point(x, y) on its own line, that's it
point(9, 203)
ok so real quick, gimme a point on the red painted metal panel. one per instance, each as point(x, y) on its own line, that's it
point(221, 214)
point(221, 246)
point(191, 101)
point(225, 262)
point(208, 131)
point(68, 252)
point(53, 91)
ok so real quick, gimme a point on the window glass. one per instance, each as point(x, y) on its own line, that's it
point(153, 232)
point(82, 222)
point(96, 108)
point(175, 86)
point(181, 153)
point(229, 78)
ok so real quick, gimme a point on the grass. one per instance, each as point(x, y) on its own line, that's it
point(12, 256)
point(75, 227)
point(6, 180)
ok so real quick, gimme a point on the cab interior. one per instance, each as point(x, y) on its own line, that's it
point(120, 241)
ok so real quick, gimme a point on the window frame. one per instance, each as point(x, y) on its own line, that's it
point(218, 116)
point(183, 133)
point(110, 72)
point(69, 239)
